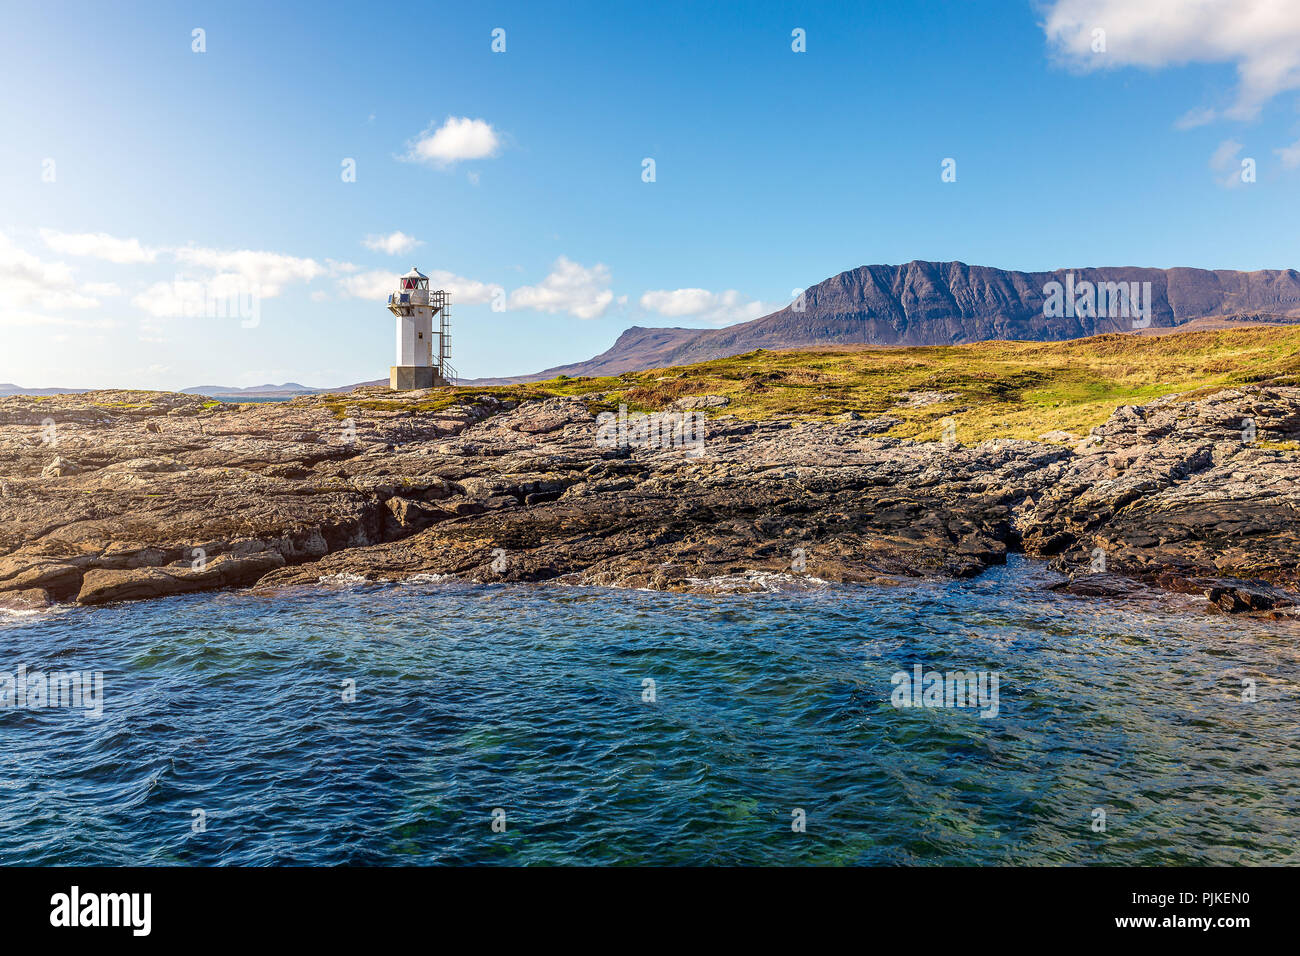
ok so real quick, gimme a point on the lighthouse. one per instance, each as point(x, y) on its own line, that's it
point(415, 307)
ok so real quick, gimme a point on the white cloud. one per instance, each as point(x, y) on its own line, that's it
point(1260, 37)
point(238, 278)
point(718, 308)
point(467, 291)
point(1225, 155)
point(217, 294)
point(377, 283)
point(152, 332)
point(28, 320)
point(267, 272)
point(1224, 159)
point(369, 285)
point(455, 140)
point(678, 302)
point(571, 288)
point(98, 245)
point(1290, 155)
point(26, 281)
point(1195, 117)
point(393, 244)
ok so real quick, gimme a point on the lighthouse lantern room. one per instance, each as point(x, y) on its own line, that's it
point(415, 306)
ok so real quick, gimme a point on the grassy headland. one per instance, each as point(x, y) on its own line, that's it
point(992, 389)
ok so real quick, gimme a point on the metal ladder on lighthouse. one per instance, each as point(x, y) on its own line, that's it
point(442, 300)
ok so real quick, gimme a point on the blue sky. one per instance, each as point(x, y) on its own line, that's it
point(136, 173)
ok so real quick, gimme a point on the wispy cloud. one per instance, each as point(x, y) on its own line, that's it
point(718, 308)
point(269, 272)
point(24, 320)
point(1193, 118)
point(98, 245)
point(1225, 154)
point(378, 283)
point(1260, 37)
point(230, 275)
point(189, 297)
point(457, 139)
point(27, 281)
point(1290, 155)
point(393, 244)
point(570, 287)
point(1224, 160)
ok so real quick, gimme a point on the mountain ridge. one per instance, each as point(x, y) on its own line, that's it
point(952, 303)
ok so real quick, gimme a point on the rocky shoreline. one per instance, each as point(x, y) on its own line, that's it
point(109, 496)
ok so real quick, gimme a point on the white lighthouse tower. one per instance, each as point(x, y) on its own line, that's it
point(418, 366)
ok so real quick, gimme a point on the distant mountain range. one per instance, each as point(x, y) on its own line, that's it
point(287, 390)
point(231, 392)
point(9, 389)
point(920, 303)
point(256, 392)
point(948, 303)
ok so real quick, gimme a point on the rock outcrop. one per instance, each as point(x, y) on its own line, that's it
point(114, 496)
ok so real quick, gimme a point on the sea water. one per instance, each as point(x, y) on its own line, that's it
point(442, 722)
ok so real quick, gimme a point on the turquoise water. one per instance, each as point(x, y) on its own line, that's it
point(530, 700)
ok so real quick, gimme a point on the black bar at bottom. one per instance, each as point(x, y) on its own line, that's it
point(299, 905)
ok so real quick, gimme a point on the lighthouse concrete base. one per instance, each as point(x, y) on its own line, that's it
point(404, 378)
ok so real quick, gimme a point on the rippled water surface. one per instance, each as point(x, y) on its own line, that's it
point(530, 699)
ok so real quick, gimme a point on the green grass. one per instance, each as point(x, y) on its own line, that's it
point(444, 398)
point(1003, 389)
